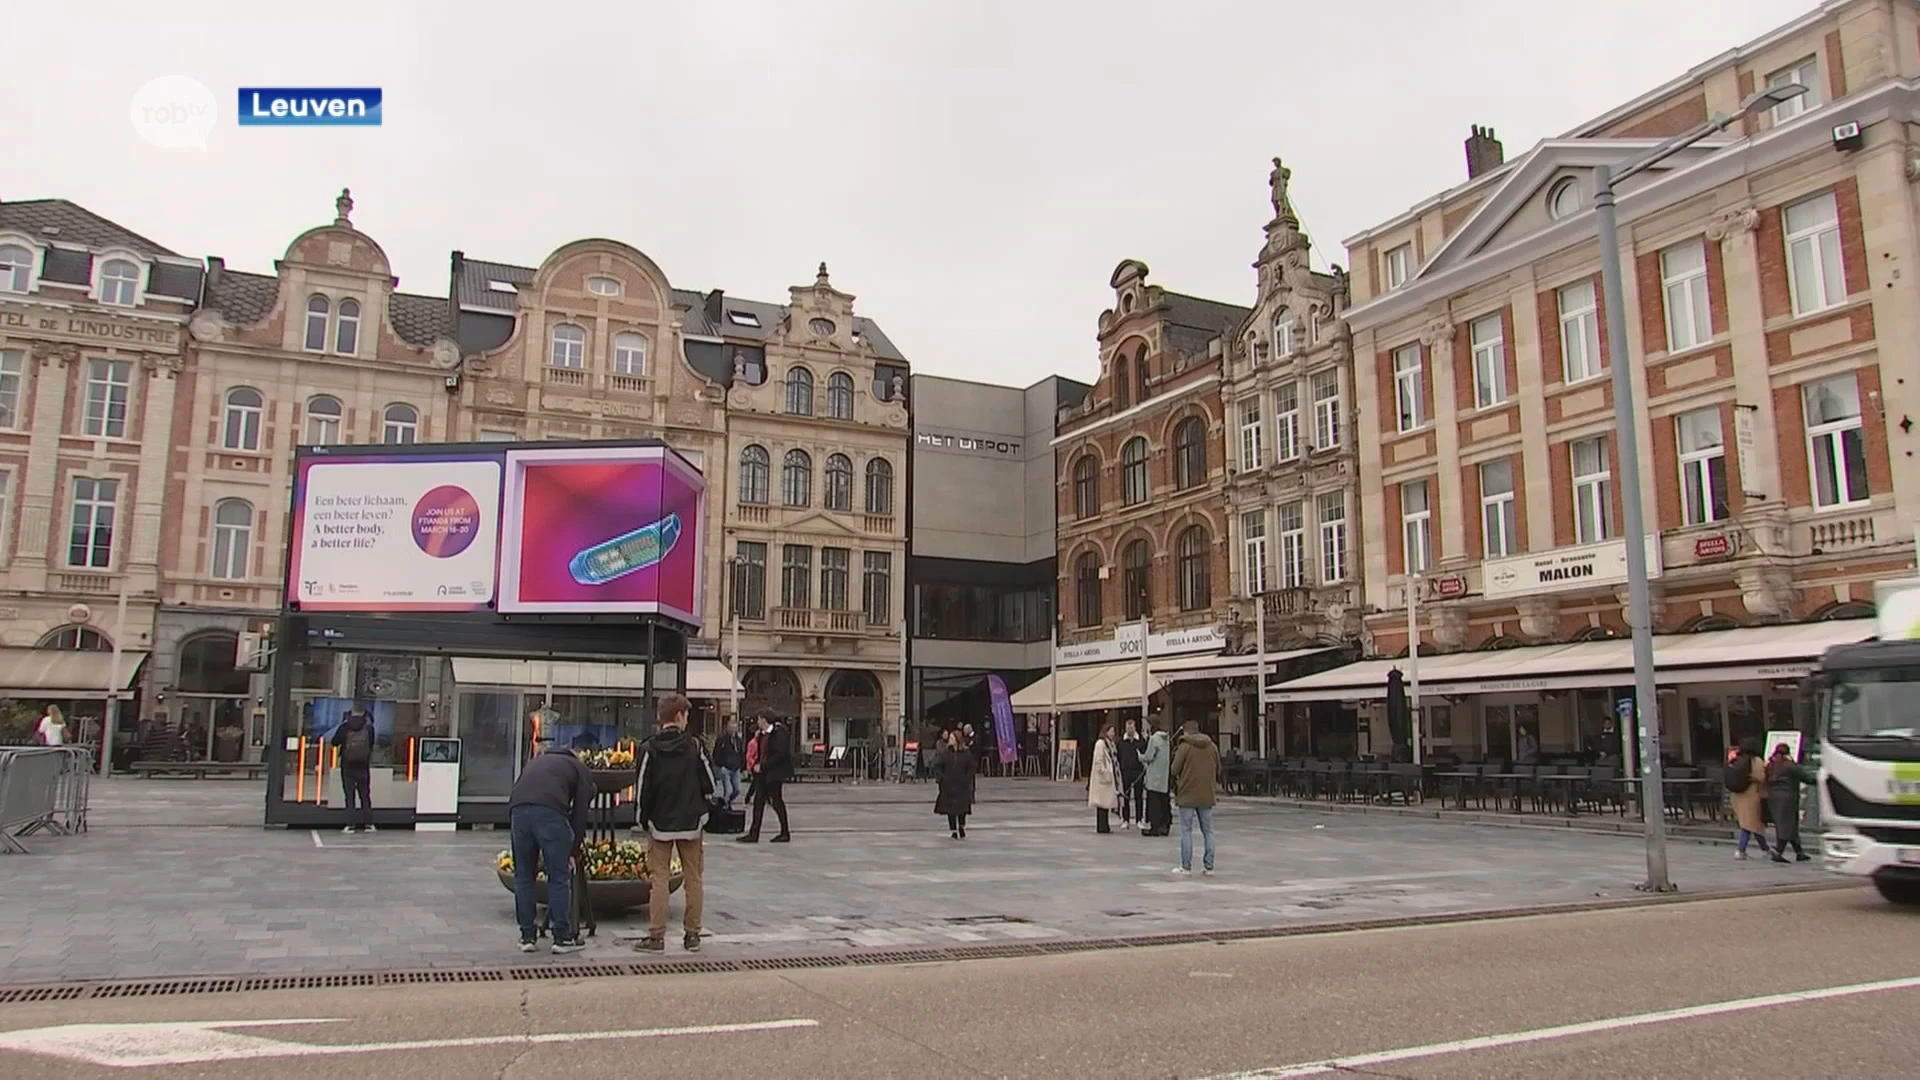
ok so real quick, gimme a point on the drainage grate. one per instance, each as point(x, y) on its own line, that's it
point(231, 984)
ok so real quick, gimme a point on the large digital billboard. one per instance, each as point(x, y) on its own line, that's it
point(395, 532)
point(602, 529)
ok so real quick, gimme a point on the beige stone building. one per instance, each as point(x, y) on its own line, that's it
point(324, 350)
point(1771, 311)
point(1292, 479)
point(92, 330)
point(796, 414)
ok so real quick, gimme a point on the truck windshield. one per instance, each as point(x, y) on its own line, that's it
point(1883, 702)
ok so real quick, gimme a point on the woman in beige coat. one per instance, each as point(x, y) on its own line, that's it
point(1103, 781)
point(1749, 805)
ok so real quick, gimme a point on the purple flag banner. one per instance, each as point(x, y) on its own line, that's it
point(1003, 732)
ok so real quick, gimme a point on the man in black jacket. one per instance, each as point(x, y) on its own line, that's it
point(676, 785)
point(729, 757)
point(772, 767)
point(547, 813)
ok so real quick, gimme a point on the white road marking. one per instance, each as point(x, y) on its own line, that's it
point(1591, 1027)
point(141, 1046)
point(1209, 974)
point(315, 833)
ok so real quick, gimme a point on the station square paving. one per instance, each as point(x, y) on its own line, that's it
point(177, 878)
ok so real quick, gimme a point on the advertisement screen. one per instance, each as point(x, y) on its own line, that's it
point(412, 532)
point(602, 529)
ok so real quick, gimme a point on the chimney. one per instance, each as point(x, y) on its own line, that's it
point(1484, 152)
point(716, 306)
point(215, 267)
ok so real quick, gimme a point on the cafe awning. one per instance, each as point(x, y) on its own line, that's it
point(705, 678)
point(65, 673)
point(1217, 666)
point(1745, 654)
point(1095, 686)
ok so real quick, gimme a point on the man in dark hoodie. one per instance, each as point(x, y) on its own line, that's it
point(354, 738)
point(1196, 769)
point(547, 813)
point(676, 786)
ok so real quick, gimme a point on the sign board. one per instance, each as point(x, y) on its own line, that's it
point(374, 532)
point(1125, 645)
point(1793, 740)
point(602, 529)
point(970, 444)
point(1716, 546)
point(1446, 586)
point(1564, 569)
point(1743, 445)
point(91, 329)
point(1066, 760)
point(1006, 741)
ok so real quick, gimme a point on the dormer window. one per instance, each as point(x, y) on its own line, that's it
point(119, 282)
point(507, 287)
point(821, 327)
point(1563, 200)
point(744, 318)
point(603, 286)
point(16, 268)
point(1282, 333)
point(346, 331)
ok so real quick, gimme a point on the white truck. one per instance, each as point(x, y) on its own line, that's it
point(1866, 703)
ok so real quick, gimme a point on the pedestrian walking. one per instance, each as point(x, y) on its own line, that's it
point(1156, 777)
point(1196, 772)
point(954, 769)
point(676, 789)
point(1103, 781)
point(1784, 779)
point(729, 758)
point(547, 821)
point(772, 767)
point(354, 738)
point(1746, 784)
point(52, 728)
point(1133, 808)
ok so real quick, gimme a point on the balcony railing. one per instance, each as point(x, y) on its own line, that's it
point(815, 620)
point(879, 524)
point(1841, 533)
point(560, 376)
point(86, 583)
point(628, 384)
point(753, 514)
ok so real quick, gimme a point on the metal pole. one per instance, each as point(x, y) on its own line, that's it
point(906, 676)
point(1639, 604)
point(733, 642)
point(1413, 663)
point(1146, 689)
point(1260, 675)
point(110, 712)
point(1052, 742)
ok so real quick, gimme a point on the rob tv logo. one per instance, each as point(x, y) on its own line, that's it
point(264, 106)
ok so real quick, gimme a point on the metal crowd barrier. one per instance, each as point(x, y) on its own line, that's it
point(42, 789)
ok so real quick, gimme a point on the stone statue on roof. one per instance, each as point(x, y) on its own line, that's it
point(1277, 180)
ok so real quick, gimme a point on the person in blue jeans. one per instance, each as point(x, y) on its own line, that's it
point(1196, 772)
point(729, 757)
point(547, 816)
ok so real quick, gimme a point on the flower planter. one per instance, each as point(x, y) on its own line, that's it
point(608, 897)
point(608, 781)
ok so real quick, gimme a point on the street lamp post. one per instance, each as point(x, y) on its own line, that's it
point(1413, 665)
point(1639, 604)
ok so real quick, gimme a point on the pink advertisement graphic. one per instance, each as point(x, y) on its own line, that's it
point(602, 529)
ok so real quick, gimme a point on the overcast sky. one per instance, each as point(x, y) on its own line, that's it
point(972, 171)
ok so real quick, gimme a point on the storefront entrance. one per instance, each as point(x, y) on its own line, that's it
point(853, 708)
point(207, 714)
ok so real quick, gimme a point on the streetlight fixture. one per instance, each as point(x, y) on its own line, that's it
point(1639, 605)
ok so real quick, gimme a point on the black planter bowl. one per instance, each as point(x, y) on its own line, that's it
point(608, 897)
point(608, 781)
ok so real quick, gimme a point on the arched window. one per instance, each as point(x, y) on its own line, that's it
point(569, 347)
point(629, 354)
point(1190, 453)
point(839, 493)
point(16, 268)
point(1136, 579)
point(232, 539)
point(119, 283)
point(317, 309)
point(1133, 471)
point(346, 329)
point(840, 396)
point(1194, 555)
point(796, 479)
point(1086, 487)
point(753, 476)
point(402, 425)
point(1282, 333)
point(77, 639)
point(879, 486)
point(323, 420)
point(1122, 383)
point(799, 391)
point(242, 428)
point(1086, 589)
point(1141, 370)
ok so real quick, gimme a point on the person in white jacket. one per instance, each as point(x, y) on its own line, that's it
point(1103, 781)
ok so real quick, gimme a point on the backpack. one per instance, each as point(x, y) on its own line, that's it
point(1739, 774)
point(356, 747)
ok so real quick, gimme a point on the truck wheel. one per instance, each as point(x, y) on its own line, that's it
point(1904, 891)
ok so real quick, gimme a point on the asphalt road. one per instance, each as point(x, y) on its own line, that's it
point(1244, 1011)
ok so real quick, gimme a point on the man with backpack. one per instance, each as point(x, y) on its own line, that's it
point(671, 806)
point(1746, 783)
point(354, 738)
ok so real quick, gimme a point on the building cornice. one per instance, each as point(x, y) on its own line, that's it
point(1119, 419)
point(1807, 133)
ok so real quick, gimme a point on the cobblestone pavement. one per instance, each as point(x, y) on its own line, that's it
point(174, 900)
